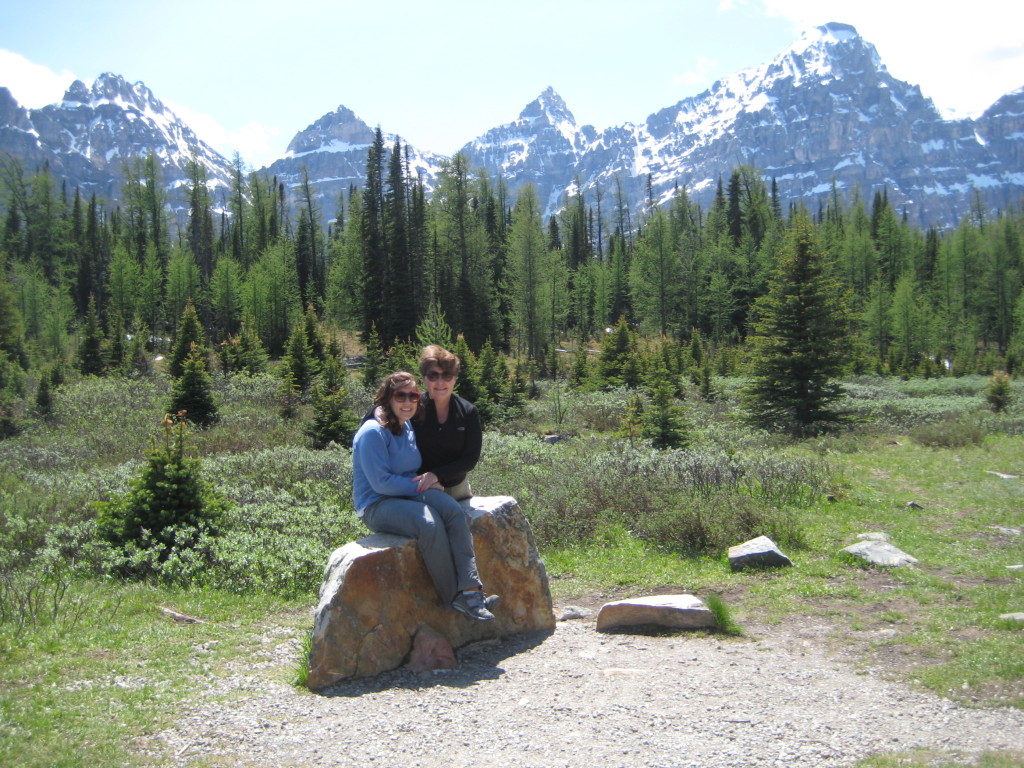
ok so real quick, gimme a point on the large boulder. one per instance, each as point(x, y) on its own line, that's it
point(376, 595)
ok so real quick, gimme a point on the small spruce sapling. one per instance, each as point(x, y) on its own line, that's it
point(169, 498)
point(998, 393)
point(192, 393)
point(333, 418)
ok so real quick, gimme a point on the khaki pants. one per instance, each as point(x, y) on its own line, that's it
point(460, 492)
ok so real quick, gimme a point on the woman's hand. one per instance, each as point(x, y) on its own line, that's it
point(427, 481)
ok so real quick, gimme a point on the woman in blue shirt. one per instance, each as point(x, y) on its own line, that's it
point(391, 497)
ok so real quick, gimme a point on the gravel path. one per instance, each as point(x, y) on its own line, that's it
point(580, 699)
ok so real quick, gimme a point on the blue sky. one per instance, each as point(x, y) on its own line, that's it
point(248, 75)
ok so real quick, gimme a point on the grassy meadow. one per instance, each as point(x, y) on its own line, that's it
point(91, 666)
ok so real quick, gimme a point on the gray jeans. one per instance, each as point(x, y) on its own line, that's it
point(441, 530)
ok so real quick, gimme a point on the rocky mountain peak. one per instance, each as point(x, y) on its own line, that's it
point(1007, 105)
point(110, 88)
point(548, 105)
point(336, 131)
point(821, 55)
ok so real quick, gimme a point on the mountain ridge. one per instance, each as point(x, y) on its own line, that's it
point(824, 111)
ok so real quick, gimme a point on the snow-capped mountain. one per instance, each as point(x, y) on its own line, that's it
point(87, 137)
point(825, 111)
point(334, 151)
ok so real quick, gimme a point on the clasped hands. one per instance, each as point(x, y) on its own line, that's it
point(427, 481)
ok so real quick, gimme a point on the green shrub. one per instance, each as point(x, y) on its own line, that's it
point(952, 432)
point(711, 525)
point(570, 488)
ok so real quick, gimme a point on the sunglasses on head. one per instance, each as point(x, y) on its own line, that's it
point(407, 397)
point(435, 375)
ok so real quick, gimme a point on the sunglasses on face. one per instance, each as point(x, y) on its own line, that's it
point(407, 397)
point(435, 375)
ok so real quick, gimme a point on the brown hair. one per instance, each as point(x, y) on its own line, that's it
point(434, 355)
point(392, 383)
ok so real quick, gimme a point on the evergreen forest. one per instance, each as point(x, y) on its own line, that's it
point(96, 287)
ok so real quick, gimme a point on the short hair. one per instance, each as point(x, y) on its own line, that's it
point(434, 355)
point(392, 383)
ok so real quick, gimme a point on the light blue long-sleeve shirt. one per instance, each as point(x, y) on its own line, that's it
point(383, 464)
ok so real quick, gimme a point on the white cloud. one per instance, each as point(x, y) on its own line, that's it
point(698, 76)
point(254, 141)
point(32, 85)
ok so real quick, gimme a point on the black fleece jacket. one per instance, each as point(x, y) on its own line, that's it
point(452, 449)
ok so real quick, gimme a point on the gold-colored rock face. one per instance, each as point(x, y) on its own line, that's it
point(376, 595)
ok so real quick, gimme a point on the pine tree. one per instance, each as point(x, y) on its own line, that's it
point(374, 361)
point(44, 395)
point(375, 311)
point(289, 396)
point(314, 336)
point(434, 328)
point(333, 418)
point(469, 385)
point(225, 296)
point(190, 337)
point(617, 364)
point(192, 393)
point(663, 423)
point(580, 374)
point(298, 360)
point(632, 422)
point(998, 393)
point(800, 341)
point(243, 353)
point(91, 360)
point(136, 363)
point(708, 392)
point(530, 259)
point(12, 328)
point(270, 297)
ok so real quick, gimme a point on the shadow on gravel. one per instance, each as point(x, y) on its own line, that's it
point(477, 661)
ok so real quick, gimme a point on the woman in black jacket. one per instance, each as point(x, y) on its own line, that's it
point(449, 434)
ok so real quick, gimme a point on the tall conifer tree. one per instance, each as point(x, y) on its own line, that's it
point(800, 341)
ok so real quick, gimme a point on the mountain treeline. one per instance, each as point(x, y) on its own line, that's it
point(259, 259)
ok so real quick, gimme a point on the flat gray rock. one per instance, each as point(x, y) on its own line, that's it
point(669, 611)
point(1018, 617)
point(880, 553)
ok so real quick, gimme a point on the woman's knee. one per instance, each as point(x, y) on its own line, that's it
point(444, 506)
point(429, 524)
